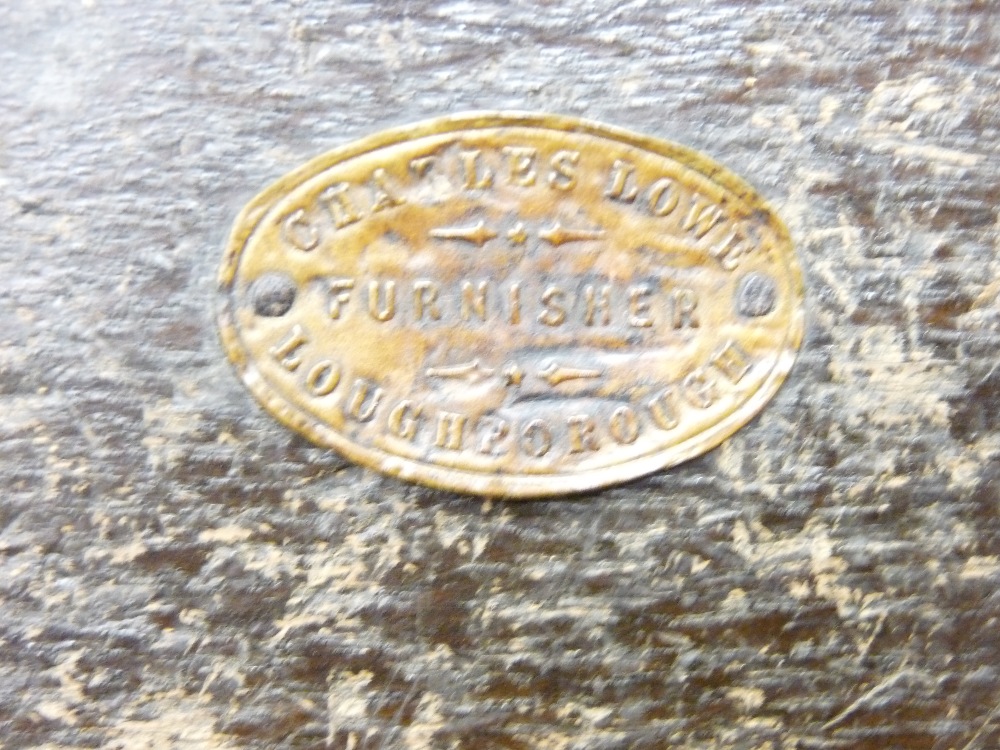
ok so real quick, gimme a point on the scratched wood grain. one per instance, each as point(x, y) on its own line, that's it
point(179, 571)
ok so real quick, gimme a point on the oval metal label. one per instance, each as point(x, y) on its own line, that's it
point(510, 304)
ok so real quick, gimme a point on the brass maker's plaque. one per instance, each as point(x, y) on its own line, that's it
point(512, 304)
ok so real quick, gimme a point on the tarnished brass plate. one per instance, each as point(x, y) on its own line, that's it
point(511, 304)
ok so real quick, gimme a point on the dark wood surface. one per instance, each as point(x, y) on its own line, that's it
point(178, 570)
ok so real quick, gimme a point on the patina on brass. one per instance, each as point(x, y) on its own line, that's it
point(510, 304)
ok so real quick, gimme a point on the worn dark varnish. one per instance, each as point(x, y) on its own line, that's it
point(177, 570)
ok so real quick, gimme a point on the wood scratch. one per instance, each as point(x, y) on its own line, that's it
point(883, 692)
point(979, 732)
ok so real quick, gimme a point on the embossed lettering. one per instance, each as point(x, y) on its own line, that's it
point(383, 196)
point(341, 209)
point(597, 301)
point(563, 174)
point(288, 351)
point(554, 313)
point(341, 293)
point(474, 179)
point(702, 217)
point(521, 163)
point(582, 435)
point(536, 438)
point(732, 249)
point(421, 165)
point(496, 431)
point(363, 400)
point(382, 309)
point(425, 299)
point(620, 190)
point(638, 306)
point(299, 233)
point(624, 425)
point(404, 419)
point(699, 388)
point(732, 361)
point(683, 303)
point(474, 300)
point(663, 199)
point(323, 378)
point(449, 430)
point(663, 410)
point(514, 297)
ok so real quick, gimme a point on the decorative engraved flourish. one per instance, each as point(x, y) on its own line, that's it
point(478, 234)
point(513, 374)
point(517, 235)
point(557, 234)
point(470, 371)
point(556, 374)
